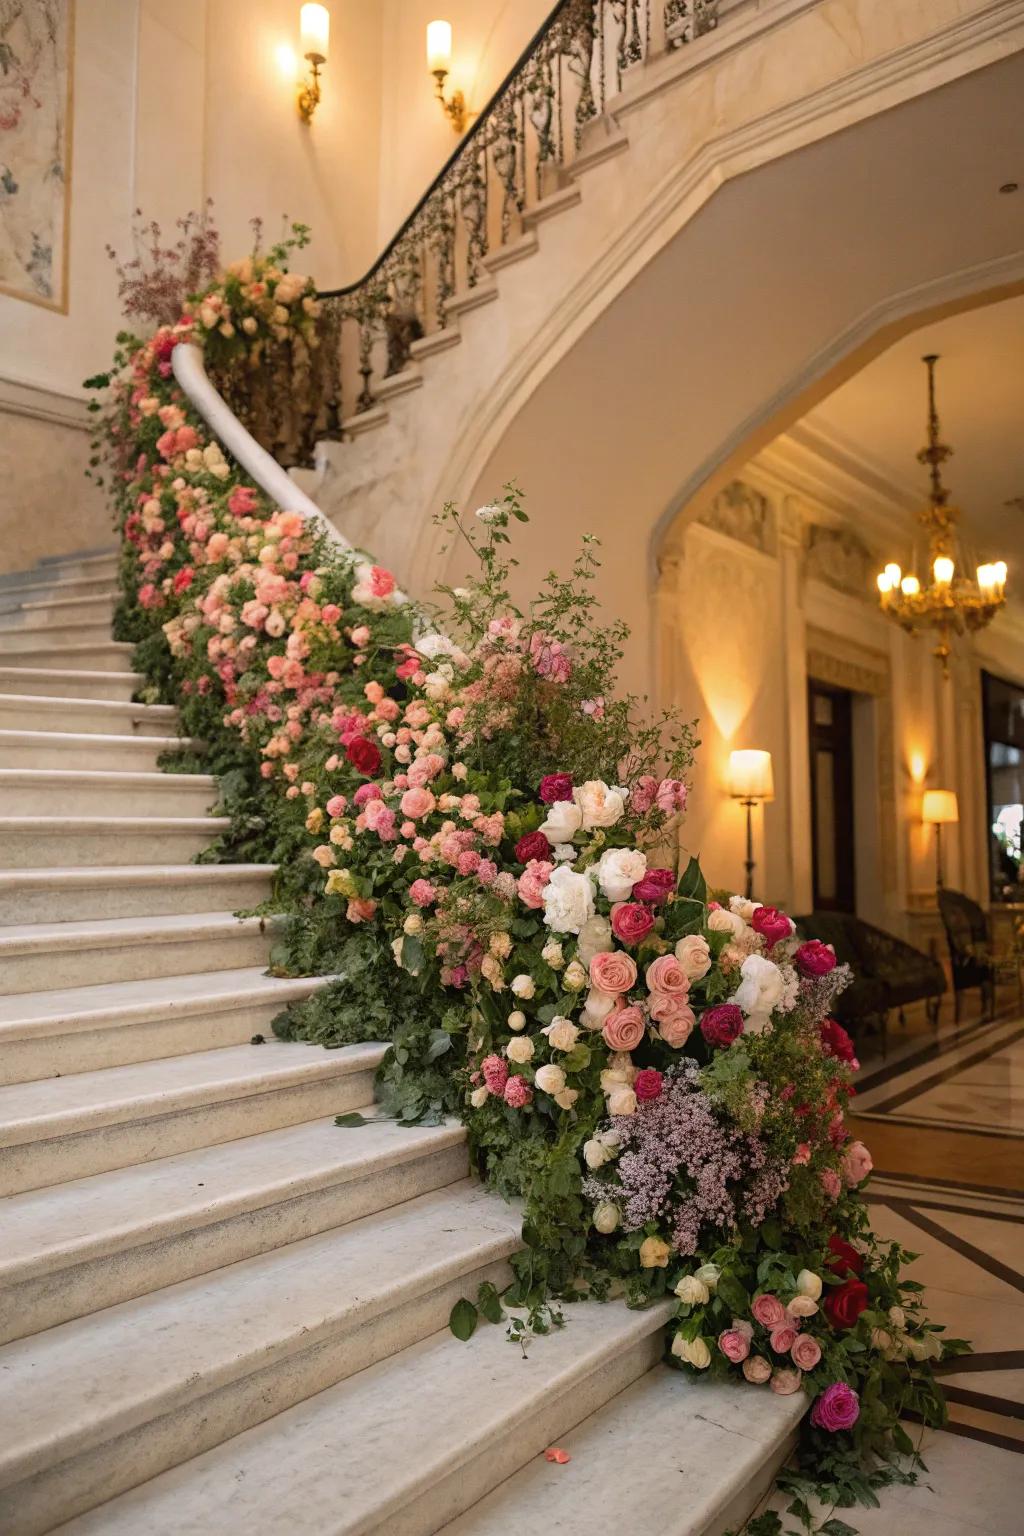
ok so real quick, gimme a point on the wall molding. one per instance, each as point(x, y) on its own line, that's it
point(20, 398)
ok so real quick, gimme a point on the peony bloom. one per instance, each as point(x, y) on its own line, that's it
point(837, 1408)
point(562, 822)
point(694, 955)
point(722, 1024)
point(772, 925)
point(364, 756)
point(533, 846)
point(422, 893)
point(654, 1253)
point(568, 901)
point(613, 971)
point(631, 922)
point(495, 1072)
point(762, 987)
point(532, 882)
point(598, 805)
point(814, 958)
point(624, 1029)
point(618, 870)
point(518, 1093)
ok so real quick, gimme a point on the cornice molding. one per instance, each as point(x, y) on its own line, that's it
point(20, 398)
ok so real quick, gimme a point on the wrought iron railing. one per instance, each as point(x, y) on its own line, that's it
point(516, 152)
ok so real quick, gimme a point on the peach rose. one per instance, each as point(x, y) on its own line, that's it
point(785, 1382)
point(675, 1018)
point(806, 1351)
point(612, 971)
point(624, 1030)
point(417, 802)
point(667, 975)
point(756, 1369)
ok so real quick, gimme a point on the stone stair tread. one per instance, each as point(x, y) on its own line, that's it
point(84, 1382)
point(699, 1446)
point(61, 1106)
point(83, 674)
point(127, 1000)
point(89, 600)
point(106, 1212)
point(211, 824)
point(358, 1457)
point(115, 778)
point(71, 739)
point(115, 932)
point(116, 708)
point(125, 874)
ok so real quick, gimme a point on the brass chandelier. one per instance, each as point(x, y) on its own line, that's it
point(952, 603)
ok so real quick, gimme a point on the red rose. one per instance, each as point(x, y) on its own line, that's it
point(364, 756)
point(772, 925)
point(533, 846)
point(845, 1303)
point(555, 786)
point(836, 1042)
point(722, 1024)
point(631, 921)
point(845, 1259)
point(647, 1084)
point(815, 958)
point(655, 885)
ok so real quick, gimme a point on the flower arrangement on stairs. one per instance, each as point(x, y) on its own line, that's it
point(480, 839)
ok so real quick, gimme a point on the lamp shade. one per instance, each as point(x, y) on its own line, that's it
point(750, 775)
point(439, 46)
point(939, 807)
point(314, 32)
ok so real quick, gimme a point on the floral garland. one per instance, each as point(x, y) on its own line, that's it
point(474, 831)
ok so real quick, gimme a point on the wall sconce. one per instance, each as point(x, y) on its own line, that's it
point(439, 62)
point(939, 809)
point(751, 783)
point(314, 31)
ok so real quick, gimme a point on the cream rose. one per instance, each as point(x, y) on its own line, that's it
point(568, 900)
point(694, 1351)
point(596, 1154)
point(622, 1101)
point(478, 1098)
point(575, 978)
point(709, 1274)
point(809, 1284)
point(692, 1291)
point(549, 1079)
point(517, 1020)
point(694, 955)
point(606, 1216)
point(760, 990)
point(562, 1033)
point(562, 822)
point(722, 921)
point(523, 986)
point(598, 805)
point(519, 1049)
point(654, 1253)
point(618, 870)
point(552, 954)
point(595, 935)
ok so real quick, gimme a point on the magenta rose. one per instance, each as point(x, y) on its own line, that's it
point(836, 1409)
point(806, 1351)
point(631, 922)
point(815, 958)
point(666, 975)
point(533, 846)
point(647, 1085)
point(722, 1024)
point(612, 971)
point(772, 925)
point(735, 1346)
point(555, 786)
point(768, 1311)
point(655, 885)
point(834, 1041)
point(624, 1030)
point(783, 1338)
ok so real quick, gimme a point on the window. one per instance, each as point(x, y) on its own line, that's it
point(1003, 717)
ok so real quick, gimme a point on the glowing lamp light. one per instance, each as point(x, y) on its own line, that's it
point(884, 584)
point(439, 47)
point(750, 775)
point(910, 586)
point(939, 807)
point(894, 574)
point(314, 32)
point(1000, 570)
point(942, 570)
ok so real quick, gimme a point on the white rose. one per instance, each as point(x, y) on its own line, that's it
point(478, 1098)
point(522, 986)
point(618, 871)
point(575, 978)
point(622, 1101)
point(743, 907)
point(599, 805)
point(552, 954)
point(721, 921)
point(520, 1049)
point(606, 1216)
point(596, 1008)
point(809, 1284)
point(517, 1020)
point(693, 1291)
point(568, 901)
point(567, 1098)
point(760, 990)
point(562, 822)
point(562, 1033)
point(595, 937)
point(596, 1154)
point(694, 1351)
point(694, 956)
point(709, 1275)
point(550, 1079)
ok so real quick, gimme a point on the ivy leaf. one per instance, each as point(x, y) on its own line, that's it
point(463, 1319)
point(347, 1121)
point(489, 1302)
point(440, 1041)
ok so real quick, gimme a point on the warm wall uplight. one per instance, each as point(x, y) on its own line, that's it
point(439, 62)
point(918, 766)
point(939, 809)
point(750, 775)
point(314, 36)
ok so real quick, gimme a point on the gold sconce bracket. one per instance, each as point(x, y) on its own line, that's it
point(453, 106)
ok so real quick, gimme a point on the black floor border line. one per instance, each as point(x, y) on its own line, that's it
point(880, 1198)
point(966, 1250)
point(931, 1182)
point(968, 1398)
point(937, 1078)
point(984, 1360)
point(972, 1432)
point(952, 1127)
point(930, 1052)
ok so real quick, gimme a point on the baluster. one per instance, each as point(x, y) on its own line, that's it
point(505, 154)
point(541, 95)
point(635, 52)
point(402, 325)
point(579, 61)
point(473, 208)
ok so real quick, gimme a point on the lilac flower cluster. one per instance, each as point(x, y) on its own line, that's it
point(818, 993)
point(679, 1166)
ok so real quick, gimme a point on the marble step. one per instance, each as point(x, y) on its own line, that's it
point(113, 656)
point(63, 895)
point(405, 1447)
point(24, 636)
point(85, 717)
point(93, 792)
point(94, 951)
point(57, 603)
point(80, 1247)
point(70, 1127)
point(44, 681)
point(68, 749)
point(84, 1029)
point(719, 1442)
point(109, 1400)
point(50, 842)
point(31, 586)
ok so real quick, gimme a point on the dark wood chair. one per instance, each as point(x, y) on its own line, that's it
point(974, 959)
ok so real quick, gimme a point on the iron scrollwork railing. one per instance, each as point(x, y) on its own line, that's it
point(514, 154)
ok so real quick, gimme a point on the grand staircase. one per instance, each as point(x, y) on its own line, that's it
point(218, 1311)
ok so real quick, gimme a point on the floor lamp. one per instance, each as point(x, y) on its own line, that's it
point(750, 782)
point(939, 809)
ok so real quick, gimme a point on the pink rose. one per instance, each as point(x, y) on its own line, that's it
point(532, 881)
point(666, 975)
point(857, 1164)
point(612, 971)
point(422, 893)
point(655, 885)
point(735, 1346)
point(836, 1409)
point(644, 791)
point(783, 1338)
point(806, 1351)
point(631, 921)
point(337, 805)
point(785, 1382)
point(772, 925)
point(756, 1369)
point(675, 1018)
point(768, 1311)
point(647, 1085)
point(815, 958)
point(624, 1029)
point(417, 802)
